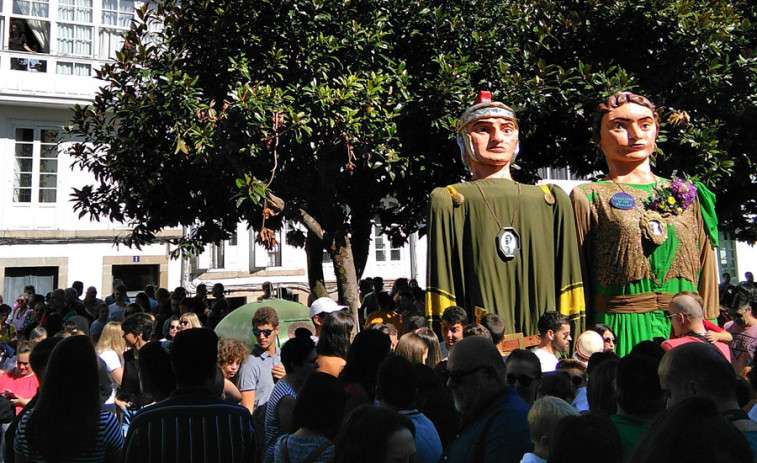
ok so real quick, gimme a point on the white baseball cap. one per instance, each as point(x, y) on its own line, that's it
point(324, 305)
point(589, 342)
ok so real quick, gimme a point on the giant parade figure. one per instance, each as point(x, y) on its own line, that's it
point(643, 238)
point(496, 245)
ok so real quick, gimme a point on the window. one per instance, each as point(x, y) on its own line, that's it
point(79, 11)
point(36, 166)
point(73, 69)
point(44, 279)
point(118, 12)
point(384, 250)
point(556, 173)
point(118, 15)
point(727, 255)
point(38, 8)
point(111, 41)
point(274, 255)
point(74, 39)
point(217, 255)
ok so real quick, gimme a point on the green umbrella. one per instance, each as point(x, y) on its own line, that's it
point(238, 324)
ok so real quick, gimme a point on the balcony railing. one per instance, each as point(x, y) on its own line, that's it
point(25, 74)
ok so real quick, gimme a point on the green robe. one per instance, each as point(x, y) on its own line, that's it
point(630, 280)
point(465, 269)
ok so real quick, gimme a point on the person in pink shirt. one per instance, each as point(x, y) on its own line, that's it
point(20, 384)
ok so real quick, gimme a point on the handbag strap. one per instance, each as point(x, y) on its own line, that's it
point(317, 452)
point(284, 451)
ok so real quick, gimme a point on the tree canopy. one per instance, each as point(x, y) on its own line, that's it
point(215, 110)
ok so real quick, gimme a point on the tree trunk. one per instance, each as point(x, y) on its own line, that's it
point(361, 238)
point(314, 251)
point(344, 268)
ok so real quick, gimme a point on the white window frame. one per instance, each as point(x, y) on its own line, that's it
point(36, 172)
point(383, 244)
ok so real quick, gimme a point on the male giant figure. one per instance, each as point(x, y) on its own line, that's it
point(496, 244)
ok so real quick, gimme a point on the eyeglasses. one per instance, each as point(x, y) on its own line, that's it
point(258, 332)
point(173, 327)
point(456, 377)
point(612, 340)
point(524, 380)
point(184, 323)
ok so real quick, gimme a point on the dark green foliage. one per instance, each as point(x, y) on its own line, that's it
point(335, 105)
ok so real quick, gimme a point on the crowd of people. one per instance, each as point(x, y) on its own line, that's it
point(89, 382)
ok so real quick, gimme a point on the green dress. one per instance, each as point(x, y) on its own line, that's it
point(465, 269)
point(629, 279)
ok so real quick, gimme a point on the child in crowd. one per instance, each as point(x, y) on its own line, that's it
point(542, 418)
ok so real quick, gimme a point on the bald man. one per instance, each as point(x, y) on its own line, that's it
point(686, 316)
point(494, 424)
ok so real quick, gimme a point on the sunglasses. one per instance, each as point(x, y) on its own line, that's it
point(173, 327)
point(258, 332)
point(524, 380)
point(183, 323)
point(456, 377)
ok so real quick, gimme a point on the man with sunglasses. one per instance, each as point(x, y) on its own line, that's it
point(686, 317)
point(554, 339)
point(494, 426)
point(263, 367)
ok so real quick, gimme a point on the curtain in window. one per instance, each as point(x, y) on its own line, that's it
point(110, 42)
point(43, 284)
point(75, 40)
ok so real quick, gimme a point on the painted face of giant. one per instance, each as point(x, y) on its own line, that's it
point(487, 133)
point(628, 133)
point(493, 141)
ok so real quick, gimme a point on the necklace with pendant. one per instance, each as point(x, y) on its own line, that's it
point(652, 224)
point(508, 239)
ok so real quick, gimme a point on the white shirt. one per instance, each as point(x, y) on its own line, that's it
point(548, 361)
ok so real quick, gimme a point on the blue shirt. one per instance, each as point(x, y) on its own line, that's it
point(498, 435)
point(255, 374)
point(428, 446)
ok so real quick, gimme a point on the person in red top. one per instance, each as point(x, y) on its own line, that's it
point(714, 332)
point(686, 316)
point(20, 384)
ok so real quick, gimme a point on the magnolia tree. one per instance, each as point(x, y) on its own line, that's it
point(317, 111)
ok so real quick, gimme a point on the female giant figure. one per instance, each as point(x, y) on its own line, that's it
point(643, 238)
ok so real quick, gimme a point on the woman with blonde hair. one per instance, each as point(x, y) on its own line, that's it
point(189, 320)
point(412, 347)
point(110, 348)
